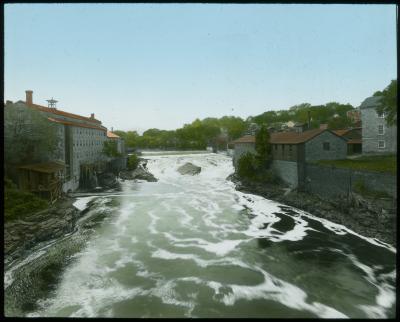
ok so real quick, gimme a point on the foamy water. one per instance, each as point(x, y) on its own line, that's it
point(193, 246)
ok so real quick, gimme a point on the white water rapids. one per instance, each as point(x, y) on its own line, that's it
point(193, 246)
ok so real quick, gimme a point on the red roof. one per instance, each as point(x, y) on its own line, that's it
point(354, 141)
point(59, 112)
point(245, 139)
point(294, 137)
point(342, 132)
point(112, 135)
point(77, 124)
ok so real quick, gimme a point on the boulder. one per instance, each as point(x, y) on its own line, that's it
point(107, 180)
point(142, 174)
point(139, 173)
point(189, 168)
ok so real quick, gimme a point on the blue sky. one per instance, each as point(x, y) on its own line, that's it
point(139, 66)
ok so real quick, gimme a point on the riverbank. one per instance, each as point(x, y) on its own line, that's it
point(369, 217)
point(21, 235)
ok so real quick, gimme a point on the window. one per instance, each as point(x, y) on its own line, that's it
point(326, 146)
point(290, 147)
point(381, 144)
point(381, 129)
point(380, 114)
point(276, 147)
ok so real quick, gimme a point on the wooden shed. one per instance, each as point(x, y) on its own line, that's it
point(44, 179)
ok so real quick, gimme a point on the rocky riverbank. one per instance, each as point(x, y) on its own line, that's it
point(21, 235)
point(371, 218)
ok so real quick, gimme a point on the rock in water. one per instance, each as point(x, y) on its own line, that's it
point(107, 180)
point(189, 168)
point(139, 173)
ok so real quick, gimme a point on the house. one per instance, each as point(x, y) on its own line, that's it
point(81, 139)
point(353, 137)
point(242, 146)
point(377, 136)
point(354, 115)
point(111, 136)
point(291, 150)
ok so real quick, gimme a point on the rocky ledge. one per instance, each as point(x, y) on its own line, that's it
point(189, 168)
point(371, 218)
point(140, 173)
point(21, 235)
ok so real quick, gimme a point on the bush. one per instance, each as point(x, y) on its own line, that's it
point(133, 162)
point(18, 204)
point(247, 166)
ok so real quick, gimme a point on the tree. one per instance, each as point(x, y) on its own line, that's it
point(388, 103)
point(263, 147)
point(110, 149)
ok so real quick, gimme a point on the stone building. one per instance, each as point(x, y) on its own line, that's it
point(377, 137)
point(353, 137)
point(292, 150)
point(111, 136)
point(242, 146)
point(81, 139)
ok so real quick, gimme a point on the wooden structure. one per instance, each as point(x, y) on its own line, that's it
point(44, 179)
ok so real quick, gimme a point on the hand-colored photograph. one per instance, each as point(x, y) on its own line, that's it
point(200, 160)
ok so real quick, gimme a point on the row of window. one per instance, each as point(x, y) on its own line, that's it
point(86, 143)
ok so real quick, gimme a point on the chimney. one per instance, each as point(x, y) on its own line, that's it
point(92, 116)
point(29, 94)
point(112, 129)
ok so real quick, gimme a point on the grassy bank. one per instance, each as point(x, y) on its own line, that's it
point(18, 204)
point(379, 163)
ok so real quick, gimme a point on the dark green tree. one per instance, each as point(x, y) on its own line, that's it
point(263, 147)
point(388, 102)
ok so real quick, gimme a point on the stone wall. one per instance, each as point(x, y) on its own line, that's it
point(117, 164)
point(337, 147)
point(331, 182)
point(287, 171)
point(242, 148)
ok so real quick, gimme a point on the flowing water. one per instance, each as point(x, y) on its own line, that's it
point(193, 246)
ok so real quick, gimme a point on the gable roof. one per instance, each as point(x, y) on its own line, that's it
point(112, 135)
point(63, 113)
point(296, 138)
point(342, 132)
point(89, 126)
point(372, 101)
point(245, 139)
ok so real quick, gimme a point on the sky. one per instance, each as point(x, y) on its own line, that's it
point(141, 66)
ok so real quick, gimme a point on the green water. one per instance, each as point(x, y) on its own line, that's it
point(194, 247)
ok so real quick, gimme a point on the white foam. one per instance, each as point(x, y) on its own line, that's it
point(81, 203)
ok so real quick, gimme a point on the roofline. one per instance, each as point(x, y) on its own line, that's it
point(314, 137)
point(54, 111)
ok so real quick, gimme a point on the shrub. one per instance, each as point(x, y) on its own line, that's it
point(18, 204)
point(247, 166)
point(133, 162)
point(362, 189)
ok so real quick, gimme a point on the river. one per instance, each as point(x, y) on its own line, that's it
point(193, 246)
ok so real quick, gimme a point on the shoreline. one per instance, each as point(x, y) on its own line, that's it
point(373, 220)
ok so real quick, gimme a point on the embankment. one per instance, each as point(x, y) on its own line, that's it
point(369, 217)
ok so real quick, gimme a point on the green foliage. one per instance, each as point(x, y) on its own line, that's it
point(133, 162)
point(263, 147)
point(299, 113)
point(110, 149)
point(388, 102)
point(18, 204)
point(379, 163)
point(247, 166)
